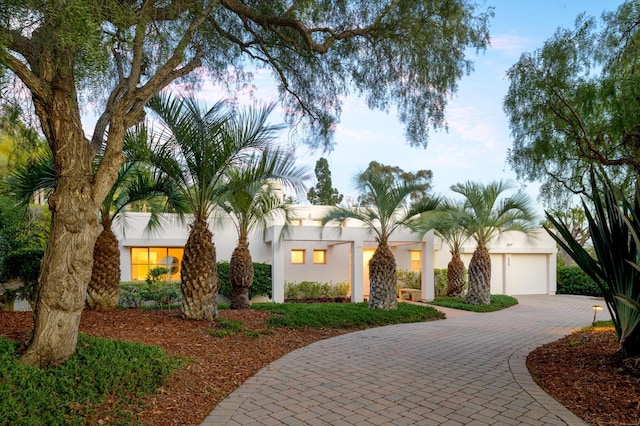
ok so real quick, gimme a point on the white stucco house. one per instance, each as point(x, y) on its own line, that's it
point(310, 252)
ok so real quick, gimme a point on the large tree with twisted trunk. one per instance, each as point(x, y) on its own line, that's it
point(409, 53)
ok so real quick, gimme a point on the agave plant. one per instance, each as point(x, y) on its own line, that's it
point(614, 226)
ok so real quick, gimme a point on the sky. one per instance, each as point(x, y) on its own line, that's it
point(478, 137)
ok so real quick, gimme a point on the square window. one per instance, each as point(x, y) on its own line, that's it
point(297, 257)
point(295, 222)
point(320, 256)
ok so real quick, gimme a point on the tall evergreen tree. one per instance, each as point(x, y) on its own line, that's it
point(323, 193)
point(420, 181)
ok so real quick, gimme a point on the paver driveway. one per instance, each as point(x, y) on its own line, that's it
point(466, 370)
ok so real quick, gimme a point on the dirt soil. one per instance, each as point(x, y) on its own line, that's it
point(579, 370)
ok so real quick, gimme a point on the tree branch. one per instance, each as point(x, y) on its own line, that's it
point(24, 73)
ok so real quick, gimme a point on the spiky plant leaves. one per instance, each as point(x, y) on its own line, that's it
point(614, 227)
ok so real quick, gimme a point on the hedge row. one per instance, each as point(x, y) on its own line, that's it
point(572, 280)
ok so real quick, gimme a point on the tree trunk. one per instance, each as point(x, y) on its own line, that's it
point(199, 280)
point(240, 275)
point(66, 267)
point(455, 276)
point(479, 277)
point(104, 286)
point(75, 210)
point(382, 277)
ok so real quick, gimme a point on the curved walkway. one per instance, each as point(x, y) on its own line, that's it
point(466, 370)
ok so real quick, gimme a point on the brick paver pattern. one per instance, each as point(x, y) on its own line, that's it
point(466, 370)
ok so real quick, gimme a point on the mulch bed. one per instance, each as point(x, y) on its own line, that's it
point(582, 372)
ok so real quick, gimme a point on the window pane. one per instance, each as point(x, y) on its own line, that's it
point(297, 256)
point(320, 256)
point(416, 260)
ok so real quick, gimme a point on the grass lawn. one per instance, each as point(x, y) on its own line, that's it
point(498, 302)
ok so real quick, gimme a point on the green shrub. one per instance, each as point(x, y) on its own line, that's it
point(261, 280)
point(163, 293)
point(573, 280)
point(315, 290)
point(409, 279)
point(24, 264)
point(440, 279)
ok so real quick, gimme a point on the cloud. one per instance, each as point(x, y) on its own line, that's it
point(510, 45)
point(471, 124)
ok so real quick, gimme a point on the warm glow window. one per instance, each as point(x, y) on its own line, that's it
point(144, 259)
point(295, 222)
point(297, 257)
point(416, 260)
point(320, 256)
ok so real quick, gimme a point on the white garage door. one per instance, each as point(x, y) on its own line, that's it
point(526, 274)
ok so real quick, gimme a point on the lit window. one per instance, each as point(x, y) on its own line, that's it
point(144, 259)
point(320, 256)
point(316, 223)
point(416, 260)
point(297, 257)
point(295, 222)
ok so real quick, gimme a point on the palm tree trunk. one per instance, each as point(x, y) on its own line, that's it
point(479, 277)
point(382, 276)
point(455, 276)
point(198, 276)
point(104, 287)
point(240, 275)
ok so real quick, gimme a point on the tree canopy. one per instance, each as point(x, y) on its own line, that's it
point(574, 103)
point(123, 52)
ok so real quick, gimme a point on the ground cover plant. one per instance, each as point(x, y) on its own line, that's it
point(339, 315)
point(92, 387)
point(497, 303)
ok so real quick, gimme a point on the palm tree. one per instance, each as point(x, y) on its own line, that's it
point(484, 217)
point(384, 216)
point(197, 148)
point(446, 221)
point(134, 183)
point(254, 201)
